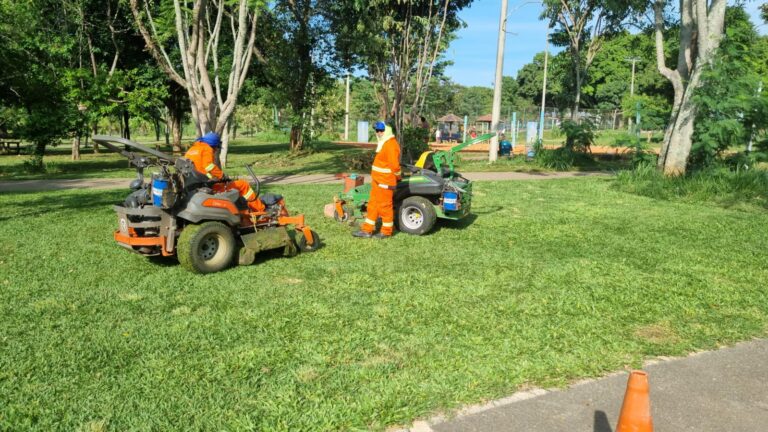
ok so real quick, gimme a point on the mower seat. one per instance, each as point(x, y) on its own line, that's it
point(270, 199)
point(230, 195)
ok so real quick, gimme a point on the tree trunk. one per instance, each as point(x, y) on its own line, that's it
point(126, 118)
point(577, 97)
point(156, 122)
point(297, 138)
point(95, 144)
point(678, 136)
point(224, 147)
point(700, 35)
point(76, 148)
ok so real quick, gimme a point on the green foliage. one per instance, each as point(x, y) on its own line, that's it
point(415, 142)
point(654, 110)
point(578, 136)
point(578, 139)
point(728, 101)
point(473, 101)
point(717, 185)
point(640, 153)
point(358, 161)
point(559, 159)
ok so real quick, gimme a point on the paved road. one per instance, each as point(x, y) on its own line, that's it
point(117, 183)
point(723, 390)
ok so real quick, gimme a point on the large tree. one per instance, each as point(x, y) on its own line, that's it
point(700, 32)
point(399, 42)
point(212, 70)
point(582, 25)
point(297, 59)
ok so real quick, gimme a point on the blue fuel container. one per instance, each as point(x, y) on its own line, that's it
point(158, 187)
point(450, 201)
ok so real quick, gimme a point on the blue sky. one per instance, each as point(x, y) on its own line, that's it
point(474, 52)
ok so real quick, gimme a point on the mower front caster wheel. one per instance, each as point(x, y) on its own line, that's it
point(416, 215)
point(301, 242)
point(206, 248)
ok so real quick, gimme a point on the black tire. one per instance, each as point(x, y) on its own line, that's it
point(416, 215)
point(206, 248)
point(341, 218)
point(301, 242)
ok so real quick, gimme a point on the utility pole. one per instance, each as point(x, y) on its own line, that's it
point(496, 111)
point(346, 113)
point(544, 90)
point(632, 83)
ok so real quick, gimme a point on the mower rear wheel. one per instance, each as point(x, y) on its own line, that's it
point(301, 241)
point(416, 215)
point(206, 248)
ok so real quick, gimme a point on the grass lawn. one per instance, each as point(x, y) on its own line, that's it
point(552, 281)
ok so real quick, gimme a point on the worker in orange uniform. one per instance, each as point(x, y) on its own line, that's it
point(202, 155)
point(385, 173)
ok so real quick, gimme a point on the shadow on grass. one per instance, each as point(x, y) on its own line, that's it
point(488, 211)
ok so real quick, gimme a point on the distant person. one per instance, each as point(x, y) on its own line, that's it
point(472, 132)
point(424, 123)
point(438, 136)
point(505, 147)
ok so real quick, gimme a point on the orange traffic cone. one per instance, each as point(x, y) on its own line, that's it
point(636, 410)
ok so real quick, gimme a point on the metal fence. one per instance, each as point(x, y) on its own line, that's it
point(553, 118)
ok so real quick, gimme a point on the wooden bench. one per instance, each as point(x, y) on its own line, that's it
point(7, 144)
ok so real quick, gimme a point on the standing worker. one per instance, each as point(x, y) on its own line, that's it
point(202, 155)
point(385, 173)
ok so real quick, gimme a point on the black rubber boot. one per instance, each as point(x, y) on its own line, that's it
point(361, 234)
point(381, 236)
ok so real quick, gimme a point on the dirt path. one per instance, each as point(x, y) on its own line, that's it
point(122, 183)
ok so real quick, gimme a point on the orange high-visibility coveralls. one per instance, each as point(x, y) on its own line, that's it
point(384, 174)
point(201, 154)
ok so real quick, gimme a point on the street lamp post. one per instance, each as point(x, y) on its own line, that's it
point(544, 90)
point(632, 84)
point(346, 113)
point(496, 111)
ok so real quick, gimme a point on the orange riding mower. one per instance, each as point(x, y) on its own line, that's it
point(177, 213)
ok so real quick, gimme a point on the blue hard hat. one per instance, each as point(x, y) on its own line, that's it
point(211, 138)
point(379, 126)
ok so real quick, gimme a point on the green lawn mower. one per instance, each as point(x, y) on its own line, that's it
point(429, 190)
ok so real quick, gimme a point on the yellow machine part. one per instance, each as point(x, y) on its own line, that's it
point(423, 159)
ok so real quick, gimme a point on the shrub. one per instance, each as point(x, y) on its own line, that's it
point(718, 184)
point(358, 161)
point(415, 142)
point(639, 152)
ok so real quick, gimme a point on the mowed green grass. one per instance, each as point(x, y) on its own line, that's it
point(550, 282)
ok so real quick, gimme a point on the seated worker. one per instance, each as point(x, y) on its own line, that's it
point(202, 155)
point(385, 173)
point(505, 147)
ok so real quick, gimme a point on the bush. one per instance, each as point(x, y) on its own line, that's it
point(358, 161)
point(579, 136)
point(639, 154)
point(415, 142)
point(559, 159)
point(578, 139)
point(719, 185)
